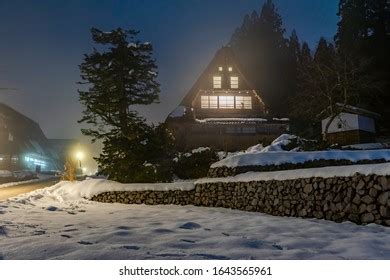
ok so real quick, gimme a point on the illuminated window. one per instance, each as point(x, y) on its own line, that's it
point(234, 82)
point(247, 102)
point(207, 102)
point(230, 69)
point(239, 102)
point(217, 81)
point(226, 102)
point(220, 68)
point(213, 102)
point(243, 102)
point(204, 101)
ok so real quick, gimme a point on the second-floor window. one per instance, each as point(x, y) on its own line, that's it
point(217, 82)
point(233, 82)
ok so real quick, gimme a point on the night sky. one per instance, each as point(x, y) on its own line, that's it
point(43, 42)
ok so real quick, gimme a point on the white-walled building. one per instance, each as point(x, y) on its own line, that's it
point(352, 126)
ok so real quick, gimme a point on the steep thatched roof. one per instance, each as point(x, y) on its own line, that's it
point(225, 58)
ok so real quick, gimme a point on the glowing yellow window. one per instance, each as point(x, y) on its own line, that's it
point(226, 102)
point(233, 82)
point(217, 82)
point(220, 68)
point(204, 102)
point(247, 102)
point(230, 69)
point(213, 102)
point(239, 102)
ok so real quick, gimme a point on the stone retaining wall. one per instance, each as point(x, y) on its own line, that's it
point(360, 199)
point(225, 171)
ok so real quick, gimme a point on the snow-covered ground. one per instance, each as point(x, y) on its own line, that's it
point(57, 223)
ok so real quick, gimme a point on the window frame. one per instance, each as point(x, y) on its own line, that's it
point(234, 84)
point(217, 82)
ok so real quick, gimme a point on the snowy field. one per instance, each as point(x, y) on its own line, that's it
point(57, 224)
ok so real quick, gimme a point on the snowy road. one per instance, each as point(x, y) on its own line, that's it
point(12, 191)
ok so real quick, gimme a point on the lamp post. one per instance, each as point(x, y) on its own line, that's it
point(79, 157)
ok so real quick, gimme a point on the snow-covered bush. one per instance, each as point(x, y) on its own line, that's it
point(194, 164)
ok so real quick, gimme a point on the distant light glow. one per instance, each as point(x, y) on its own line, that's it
point(35, 161)
point(79, 155)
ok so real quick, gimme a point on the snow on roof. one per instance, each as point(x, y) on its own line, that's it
point(322, 172)
point(282, 157)
point(357, 110)
point(223, 120)
point(281, 119)
point(178, 112)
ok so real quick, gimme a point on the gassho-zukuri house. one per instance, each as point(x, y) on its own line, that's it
point(223, 110)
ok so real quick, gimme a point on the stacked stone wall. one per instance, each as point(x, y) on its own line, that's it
point(361, 199)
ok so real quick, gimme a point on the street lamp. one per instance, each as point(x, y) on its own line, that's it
point(79, 157)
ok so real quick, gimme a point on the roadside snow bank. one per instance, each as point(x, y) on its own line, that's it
point(12, 184)
point(79, 190)
point(323, 172)
point(277, 158)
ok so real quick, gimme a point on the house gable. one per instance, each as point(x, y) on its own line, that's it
point(223, 90)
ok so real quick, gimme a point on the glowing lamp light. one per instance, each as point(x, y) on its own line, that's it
point(79, 155)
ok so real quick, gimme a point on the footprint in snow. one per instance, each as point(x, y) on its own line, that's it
point(53, 208)
point(226, 234)
point(162, 231)
point(39, 232)
point(211, 257)
point(3, 231)
point(188, 241)
point(70, 230)
point(69, 225)
point(122, 233)
point(190, 225)
point(66, 236)
point(170, 255)
point(82, 242)
point(278, 247)
point(124, 228)
point(2, 212)
point(131, 247)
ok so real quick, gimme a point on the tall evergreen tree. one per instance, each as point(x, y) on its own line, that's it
point(363, 36)
point(119, 74)
point(294, 52)
point(262, 48)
